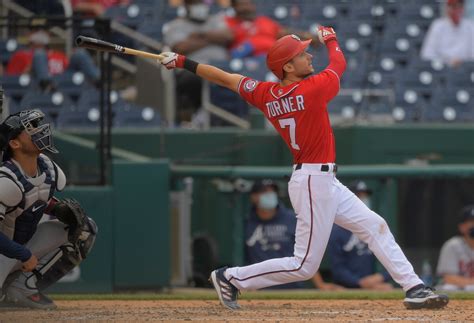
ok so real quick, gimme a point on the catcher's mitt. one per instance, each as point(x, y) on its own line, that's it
point(70, 212)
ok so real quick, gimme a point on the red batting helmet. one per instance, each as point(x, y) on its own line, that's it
point(283, 51)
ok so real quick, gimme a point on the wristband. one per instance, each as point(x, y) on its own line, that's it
point(190, 65)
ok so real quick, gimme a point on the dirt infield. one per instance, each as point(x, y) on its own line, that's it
point(252, 310)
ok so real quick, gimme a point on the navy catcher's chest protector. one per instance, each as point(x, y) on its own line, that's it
point(36, 194)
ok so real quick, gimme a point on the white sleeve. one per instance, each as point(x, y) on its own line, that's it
point(61, 178)
point(448, 259)
point(10, 194)
point(429, 50)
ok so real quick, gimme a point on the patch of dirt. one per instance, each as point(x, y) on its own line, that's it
point(252, 310)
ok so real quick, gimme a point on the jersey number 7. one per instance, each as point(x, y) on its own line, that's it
point(290, 123)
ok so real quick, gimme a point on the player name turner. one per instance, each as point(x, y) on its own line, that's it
point(285, 105)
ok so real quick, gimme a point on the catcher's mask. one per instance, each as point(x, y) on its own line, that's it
point(31, 122)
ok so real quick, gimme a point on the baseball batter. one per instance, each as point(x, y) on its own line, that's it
point(297, 108)
point(35, 250)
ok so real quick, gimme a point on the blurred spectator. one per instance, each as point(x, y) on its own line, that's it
point(202, 37)
point(95, 8)
point(456, 260)
point(352, 262)
point(450, 39)
point(270, 231)
point(43, 62)
point(254, 35)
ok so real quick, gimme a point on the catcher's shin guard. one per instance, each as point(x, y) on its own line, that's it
point(64, 259)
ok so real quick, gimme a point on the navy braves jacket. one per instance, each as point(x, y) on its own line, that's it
point(271, 239)
point(351, 259)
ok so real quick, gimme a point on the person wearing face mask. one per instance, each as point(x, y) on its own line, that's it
point(352, 262)
point(450, 39)
point(255, 34)
point(270, 231)
point(456, 260)
point(202, 37)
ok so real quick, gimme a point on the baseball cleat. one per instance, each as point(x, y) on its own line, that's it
point(422, 296)
point(225, 290)
point(38, 300)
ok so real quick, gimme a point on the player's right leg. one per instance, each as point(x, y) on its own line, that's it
point(311, 197)
point(353, 215)
point(22, 291)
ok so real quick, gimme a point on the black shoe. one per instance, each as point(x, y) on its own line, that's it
point(225, 290)
point(422, 296)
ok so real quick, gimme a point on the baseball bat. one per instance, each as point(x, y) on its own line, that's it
point(97, 44)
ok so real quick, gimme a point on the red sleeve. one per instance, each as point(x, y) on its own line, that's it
point(330, 78)
point(19, 63)
point(252, 91)
point(337, 62)
point(267, 31)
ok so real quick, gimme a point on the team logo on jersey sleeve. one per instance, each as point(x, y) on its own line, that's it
point(250, 85)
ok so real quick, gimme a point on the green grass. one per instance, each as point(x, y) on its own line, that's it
point(205, 294)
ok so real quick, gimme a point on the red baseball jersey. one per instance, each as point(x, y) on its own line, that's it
point(299, 113)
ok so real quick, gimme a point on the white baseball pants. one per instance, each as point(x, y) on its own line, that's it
point(319, 200)
point(49, 236)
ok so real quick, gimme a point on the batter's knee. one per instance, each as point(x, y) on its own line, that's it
point(306, 270)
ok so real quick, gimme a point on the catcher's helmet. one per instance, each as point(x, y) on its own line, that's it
point(31, 122)
point(283, 51)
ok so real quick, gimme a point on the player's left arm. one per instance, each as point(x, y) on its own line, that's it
point(219, 77)
point(330, 78)
point(207, 72)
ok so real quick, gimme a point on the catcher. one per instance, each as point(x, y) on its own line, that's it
point(41, 238)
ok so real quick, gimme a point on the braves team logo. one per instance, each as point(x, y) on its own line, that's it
point(250, 85)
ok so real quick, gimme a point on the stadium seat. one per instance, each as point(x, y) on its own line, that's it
point(399, 48)
point(225, 98)
point(418, 11)
point(71, 83)
point(378, 79)
point(50, 103)
point(91, 98)
point(423, 82)
point(73, 118)
point(356, 61)
point(357, 29)
point(408, 107)
point(357, 79)
point(228, 100)
point(461, 76)
point(254, 67)
point(285, 14)
point(130, 15)
point(377, 107)
point(386, 64)
point(440, 112)
point(343, 108)
point(16, 86)
point(414, 32)
point(7, 48)
point(390, 6)
point(368, 12)
point(325, 13)
point(134, 116)
point(169, 13)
